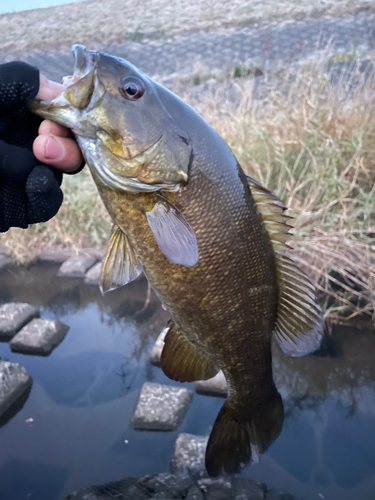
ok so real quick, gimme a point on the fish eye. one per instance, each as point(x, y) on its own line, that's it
point(132, 87)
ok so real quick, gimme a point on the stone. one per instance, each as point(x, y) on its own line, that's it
point(14, 382)
point(215, 386)
point(40, 336)
point(189, 452)
point(155, 354)
point(97, 252)
point(166, 485)
point(247, 489)
point(77, 267)
point(161, 407)
point(14, 316)
point(194, 494)
point(93, 275)
point(56, 255)
point(216, 489)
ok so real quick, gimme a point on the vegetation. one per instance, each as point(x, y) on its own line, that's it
point(310, 143)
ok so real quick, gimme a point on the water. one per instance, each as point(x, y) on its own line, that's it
point(17, 5)
point(84, 394)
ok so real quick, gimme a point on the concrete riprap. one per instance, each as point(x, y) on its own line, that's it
point(215, 386)
point(161, 407)
point(40, 336)
point(177, 486)
point(14, 382)
point(77, 267)
point(14, 316)
point(188, 457)
point(93, 275)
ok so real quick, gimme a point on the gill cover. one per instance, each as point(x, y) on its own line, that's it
point(132, 144)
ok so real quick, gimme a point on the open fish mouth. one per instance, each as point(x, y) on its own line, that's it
point(81, 90)
point(85, 62)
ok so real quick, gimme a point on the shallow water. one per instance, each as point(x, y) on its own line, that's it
point(84, 393)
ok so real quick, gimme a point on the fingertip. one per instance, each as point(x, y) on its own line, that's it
point(48, 89)
point(58, 152)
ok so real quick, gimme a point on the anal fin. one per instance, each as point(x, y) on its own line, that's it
point(182, 361)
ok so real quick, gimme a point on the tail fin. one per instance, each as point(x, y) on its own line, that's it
point(237, 439)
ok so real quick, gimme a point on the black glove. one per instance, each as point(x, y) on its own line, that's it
point(29, 191)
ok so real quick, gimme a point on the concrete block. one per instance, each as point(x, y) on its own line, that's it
point(93, 275)
point(161, 407)
point(14, 316)
point(56, 254)
point(40, 336)
point(76, 267)
point(215, 386)
point(14, 382)
point(189, 452)
point(155, 354)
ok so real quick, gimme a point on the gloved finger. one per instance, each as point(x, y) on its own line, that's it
point(13, 206)
point(43, 193)
point(19, 127)
point(19, 82)
point(16, 163)
point(59, 152)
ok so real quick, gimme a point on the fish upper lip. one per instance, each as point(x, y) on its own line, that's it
point(85, 60)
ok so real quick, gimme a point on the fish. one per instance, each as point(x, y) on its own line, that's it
point(211, 241)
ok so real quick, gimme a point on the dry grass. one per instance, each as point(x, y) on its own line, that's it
point(313, 145)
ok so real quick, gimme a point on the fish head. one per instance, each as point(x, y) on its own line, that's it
point(126, 134)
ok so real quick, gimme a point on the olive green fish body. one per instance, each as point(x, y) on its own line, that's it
point(226, 303)
point(210, 240)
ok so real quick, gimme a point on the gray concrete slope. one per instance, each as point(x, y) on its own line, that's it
point(269, 47)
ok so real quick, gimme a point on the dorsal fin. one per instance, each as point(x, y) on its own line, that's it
point(299, 323)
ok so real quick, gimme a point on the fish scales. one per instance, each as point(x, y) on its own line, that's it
point(210, 240)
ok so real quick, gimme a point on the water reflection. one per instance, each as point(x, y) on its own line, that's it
point(84, 394)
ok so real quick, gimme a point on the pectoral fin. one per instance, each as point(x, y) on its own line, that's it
point(173, 233)
point(299, 322)
point(121, 264)
point(183, 361)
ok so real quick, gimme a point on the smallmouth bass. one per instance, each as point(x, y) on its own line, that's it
point(210, 240)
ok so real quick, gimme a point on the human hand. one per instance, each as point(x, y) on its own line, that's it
point(29, 190)
point(55, 145)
